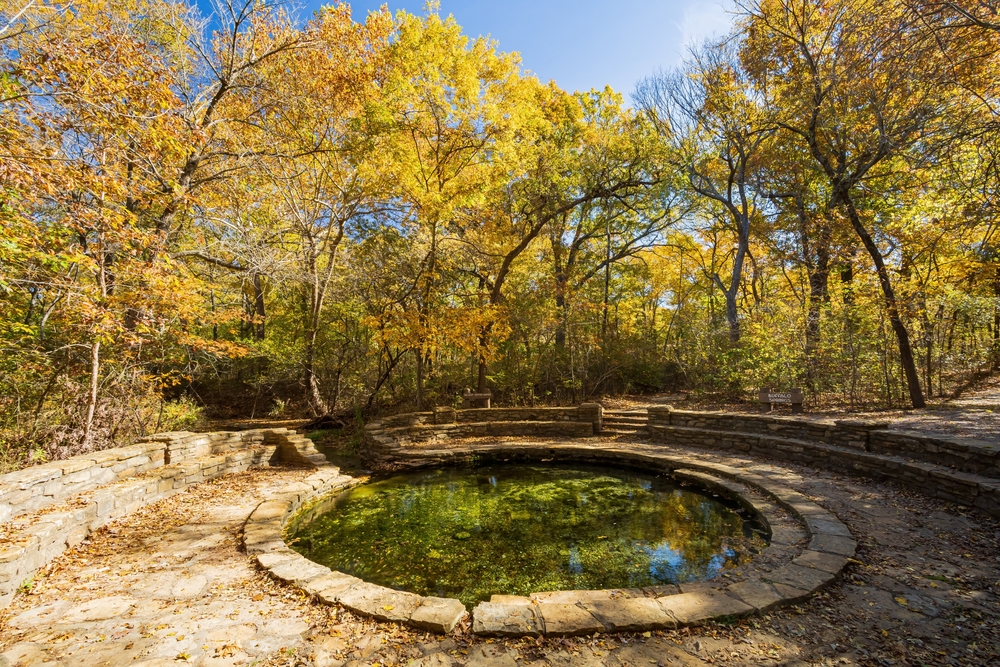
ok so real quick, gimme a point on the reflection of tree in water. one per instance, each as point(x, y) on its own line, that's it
point(519, 529)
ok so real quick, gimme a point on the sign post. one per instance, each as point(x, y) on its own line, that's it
point(793, 396)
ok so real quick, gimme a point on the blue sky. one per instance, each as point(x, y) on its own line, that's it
point(582, 44)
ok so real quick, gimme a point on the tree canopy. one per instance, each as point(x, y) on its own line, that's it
point(249, 214)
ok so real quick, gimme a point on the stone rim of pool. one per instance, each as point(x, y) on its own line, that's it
point(809, 548)
point(472, 532)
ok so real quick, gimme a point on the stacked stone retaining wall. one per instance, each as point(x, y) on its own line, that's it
point(48, 508)
point(443, 424)
point(964, 454)
point(957, 470)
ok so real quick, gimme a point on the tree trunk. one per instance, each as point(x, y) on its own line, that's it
point(313, 396)
point(258, 294)
point(996, 319)
point(420, 379)
point(484, 339)
point(607, 284)
point(892, 306)
point(563, 317)
point(817, 261)
point(95, 372)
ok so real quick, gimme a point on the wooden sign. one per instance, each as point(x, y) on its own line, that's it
point(793, 397)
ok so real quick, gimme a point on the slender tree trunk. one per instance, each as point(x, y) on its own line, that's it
point(484, 340)
point(313, 395)
point(996, 319)
point(607, 283)
point(258, 293)
point(563, 316)
point(95, 373)
point(731, 293)
point(817, 261)
point(420, 379)
point(891, 303)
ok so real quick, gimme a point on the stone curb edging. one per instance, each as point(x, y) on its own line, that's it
point(262, 538)
point(565, 613)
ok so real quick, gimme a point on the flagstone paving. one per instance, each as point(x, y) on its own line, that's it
point(169, 585)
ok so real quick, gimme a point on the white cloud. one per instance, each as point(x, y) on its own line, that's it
point(703, 19)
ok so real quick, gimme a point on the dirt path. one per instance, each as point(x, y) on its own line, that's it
point(169, 586)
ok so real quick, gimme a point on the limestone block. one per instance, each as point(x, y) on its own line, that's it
point(567, 620)
point(505, 620)
point(693, 608)
point(572, 597)
point(829, 526)
point(298, 570)
point(104, 501)
point(330, 587)
point(803, 578)
point(510, 599)
point(438, 614)
point(592, 413)
point(269, 560)
point(445, 415)
point(834, 544)
point(821, 561)
point(630, 614)
point(271, 509)
point(264, 546)
point(29, 477)
point(662, 590)
point(758, 594)
point(379, 602)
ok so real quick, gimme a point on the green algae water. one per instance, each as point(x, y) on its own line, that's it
point(518, 529)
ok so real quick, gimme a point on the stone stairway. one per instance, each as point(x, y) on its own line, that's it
point(625, 422)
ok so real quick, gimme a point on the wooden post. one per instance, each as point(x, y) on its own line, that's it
point(765, 398)
point(796, 401)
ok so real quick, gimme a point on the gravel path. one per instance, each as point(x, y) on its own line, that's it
point(169, 586)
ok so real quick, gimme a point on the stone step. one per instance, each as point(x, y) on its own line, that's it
point(638, 421)
point(618, 431)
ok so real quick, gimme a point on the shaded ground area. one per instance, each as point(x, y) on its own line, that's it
point(169, 586)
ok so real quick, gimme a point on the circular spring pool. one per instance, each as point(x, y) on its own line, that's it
point(517, 529)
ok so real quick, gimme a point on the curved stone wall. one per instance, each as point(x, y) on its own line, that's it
point(382, 438)
point(48, 508)
point(804, 568)
point(959, 470)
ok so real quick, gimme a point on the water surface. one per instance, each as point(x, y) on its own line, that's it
point(518, 529)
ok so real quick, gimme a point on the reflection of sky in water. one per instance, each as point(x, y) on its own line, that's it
point(575, 566)
point(663, 562)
